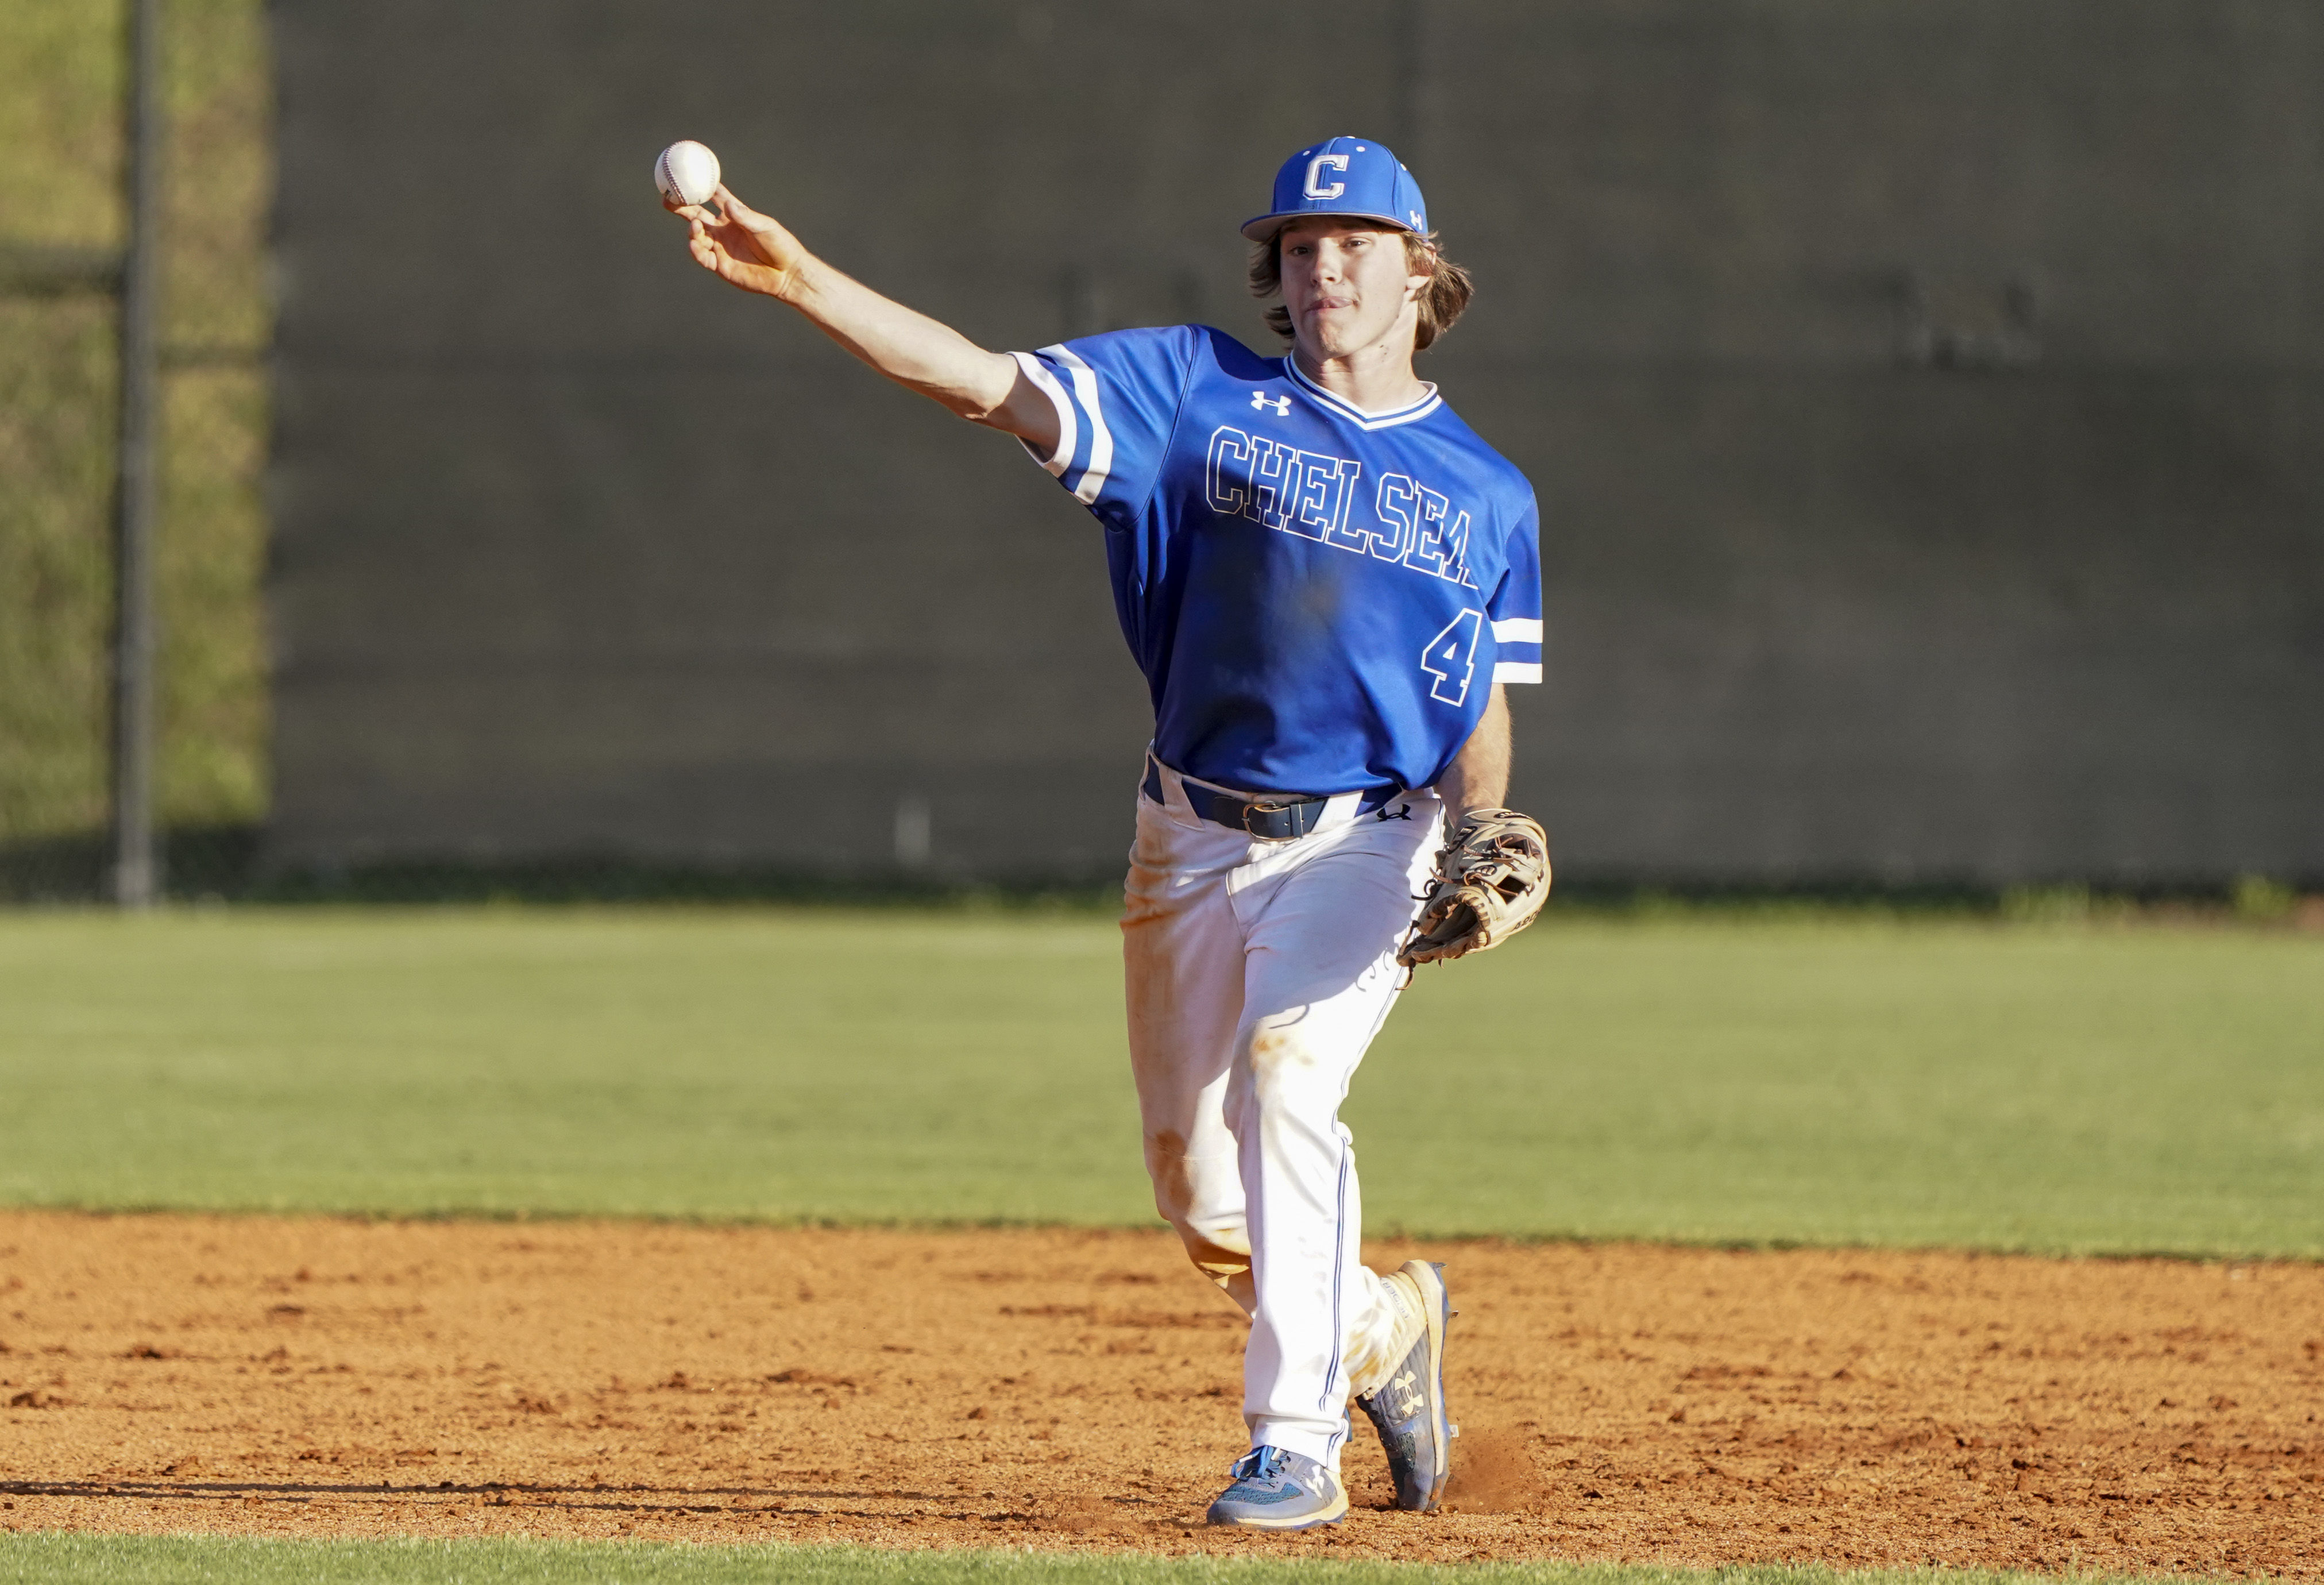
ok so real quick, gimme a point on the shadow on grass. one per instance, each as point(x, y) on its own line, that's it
point(226, 864)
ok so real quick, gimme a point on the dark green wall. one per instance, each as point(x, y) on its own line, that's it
point(1924, 399)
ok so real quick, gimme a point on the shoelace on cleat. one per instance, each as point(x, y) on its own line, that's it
point(1261, 1463)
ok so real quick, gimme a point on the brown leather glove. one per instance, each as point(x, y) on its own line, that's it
point(1492, 876)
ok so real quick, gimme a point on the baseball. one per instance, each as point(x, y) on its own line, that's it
point(686, 173)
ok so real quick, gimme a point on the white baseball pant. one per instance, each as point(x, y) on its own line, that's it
point(1257, 974)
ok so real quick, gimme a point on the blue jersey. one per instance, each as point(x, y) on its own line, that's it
point(1320, 597)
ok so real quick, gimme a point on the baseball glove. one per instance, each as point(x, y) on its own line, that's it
point(1492, 876)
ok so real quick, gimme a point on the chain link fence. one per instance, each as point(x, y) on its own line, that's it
point(62, 83)
point(61, 72)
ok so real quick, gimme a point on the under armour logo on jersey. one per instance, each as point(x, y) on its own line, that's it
point(1317, 188)
point(1259, 402)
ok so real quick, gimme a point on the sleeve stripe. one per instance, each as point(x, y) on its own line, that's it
point(1517, 671)
point(1068, 431)
point(1100, 460)
point(1518, 629)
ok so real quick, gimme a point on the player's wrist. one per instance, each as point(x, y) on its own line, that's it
point(798, 278)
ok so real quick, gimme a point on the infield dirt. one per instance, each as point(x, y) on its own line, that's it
point(1081, 1388)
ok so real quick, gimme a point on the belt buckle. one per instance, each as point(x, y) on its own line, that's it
point(1267, 807)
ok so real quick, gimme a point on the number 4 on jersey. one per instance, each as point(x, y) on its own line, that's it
point(1451, 658)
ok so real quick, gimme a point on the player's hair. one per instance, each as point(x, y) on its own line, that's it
point(1447, 293)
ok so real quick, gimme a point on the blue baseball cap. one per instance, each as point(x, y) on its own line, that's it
point(1353, 176)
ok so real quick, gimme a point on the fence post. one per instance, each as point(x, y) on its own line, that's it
point(136, 869)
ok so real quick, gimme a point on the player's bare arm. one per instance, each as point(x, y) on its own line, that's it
point(757, 254)
point(1480, 776)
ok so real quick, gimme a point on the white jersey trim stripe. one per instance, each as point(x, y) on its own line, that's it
point(1517, 671)
point(1068, 431)
point(1356, 415)
point(1518, 629)
point(1100, 458)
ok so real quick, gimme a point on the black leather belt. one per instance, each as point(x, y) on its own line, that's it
point(1279, 819)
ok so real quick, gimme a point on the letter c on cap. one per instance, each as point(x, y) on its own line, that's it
point(1317, 188)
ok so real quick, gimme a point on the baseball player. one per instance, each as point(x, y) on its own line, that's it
point(1327, 578)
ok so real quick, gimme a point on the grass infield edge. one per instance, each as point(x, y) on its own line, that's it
point(67, 1557)
point(1386, 1232)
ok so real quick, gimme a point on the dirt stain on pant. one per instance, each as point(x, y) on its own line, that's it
point(1215, 1238)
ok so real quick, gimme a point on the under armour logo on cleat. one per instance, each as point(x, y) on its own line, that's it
point(1258, 402)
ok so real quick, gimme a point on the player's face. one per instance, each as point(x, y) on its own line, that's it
point(1348, 287)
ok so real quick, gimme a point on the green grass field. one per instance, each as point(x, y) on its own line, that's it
point(2075, 1087)
point(115, 1560)
point(2070, 1089)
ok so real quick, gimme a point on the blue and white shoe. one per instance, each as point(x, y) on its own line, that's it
point(1276, 1489)
point(1408, 1409)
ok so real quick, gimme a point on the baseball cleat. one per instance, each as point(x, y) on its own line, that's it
point(1408, 1408)
point(1276, 1489)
